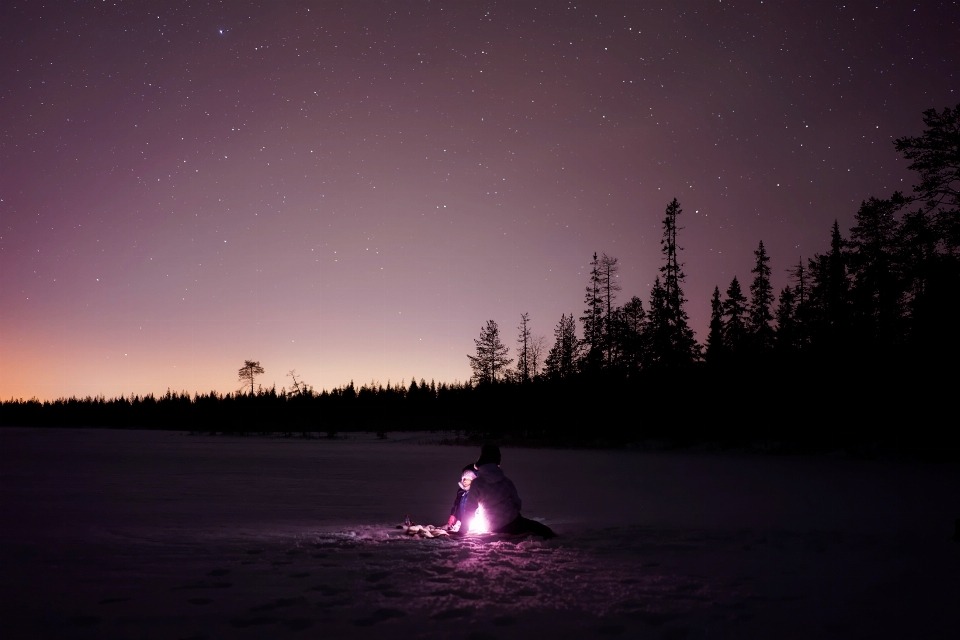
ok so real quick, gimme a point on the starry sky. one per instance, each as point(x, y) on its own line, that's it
point(352, 189)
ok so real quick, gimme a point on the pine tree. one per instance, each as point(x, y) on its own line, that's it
point(735, 319)
point(563, 357)
point(761, 299)
point(249, 371)
point(715, 348)
point(491, 358)
point(523, 348)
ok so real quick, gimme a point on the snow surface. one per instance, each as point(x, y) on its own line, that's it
point(119, 534)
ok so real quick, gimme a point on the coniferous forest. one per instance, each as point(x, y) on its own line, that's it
point(858, 353)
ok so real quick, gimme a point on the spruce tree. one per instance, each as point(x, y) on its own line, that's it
point(735, 320)
point(592, 318)
point(877, 292)
point(609, 271)
point(761, 299)
point(562, 360)
point(715, 349)
point(801, 301)
point(674, 344)
point(785, 338)
point(830, 297)
point(631, 338)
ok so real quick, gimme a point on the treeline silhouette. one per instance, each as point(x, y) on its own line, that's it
point(857, 353)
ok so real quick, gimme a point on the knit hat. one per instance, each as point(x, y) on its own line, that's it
point(489, 454)
point(469, 473)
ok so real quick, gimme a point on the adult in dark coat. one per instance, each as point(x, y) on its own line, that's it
point(498, 497)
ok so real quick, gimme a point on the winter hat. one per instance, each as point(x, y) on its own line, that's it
point(468, 472)
point(489, 454)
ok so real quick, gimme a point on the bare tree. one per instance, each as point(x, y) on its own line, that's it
point(301, 387)
point(250, 370)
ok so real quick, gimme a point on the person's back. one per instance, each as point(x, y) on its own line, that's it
point(497, 494)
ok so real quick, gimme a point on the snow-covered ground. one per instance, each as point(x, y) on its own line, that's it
point(120, 534)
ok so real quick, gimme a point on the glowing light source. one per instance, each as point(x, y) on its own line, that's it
point(479, 523)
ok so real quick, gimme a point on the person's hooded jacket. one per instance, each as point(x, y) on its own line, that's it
point(497, 494)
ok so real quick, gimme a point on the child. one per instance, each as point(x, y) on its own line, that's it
point(456, 513)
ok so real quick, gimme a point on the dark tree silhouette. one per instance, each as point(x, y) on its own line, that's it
point(877, 292)
point(563, 358)
point(609, 271)
point(935, 155)
point(761, 299)
point(632, 323)
point(830, 296)
point(715, 349)
point(523, 348)
point(735, 320)
point(785, 340)
point(592, 318)
point(801, 301)
point(491, 358)
point(249, 371)
point(672, 342)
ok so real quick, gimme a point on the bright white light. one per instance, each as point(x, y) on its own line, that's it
point(479, 523)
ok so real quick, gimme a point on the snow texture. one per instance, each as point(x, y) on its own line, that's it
point(119, 534)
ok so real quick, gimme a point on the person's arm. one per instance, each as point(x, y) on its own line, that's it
point(473, 501)
point(453, 510)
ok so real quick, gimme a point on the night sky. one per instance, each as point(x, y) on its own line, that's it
point(351, 190)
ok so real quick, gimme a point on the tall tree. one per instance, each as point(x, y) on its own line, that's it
point(523, 348)
point(801, 301)
point(563, 357)
point(538, 348)
point(715, 349)
point(609, 271)
point(592, 318)
point(761, 299)
point(786, 335)
point(735, 319)
point(250, 370)
point(830, 295)
point(877, 293)
point(632, 322)
point(935, 155)
point(673, 343)
point(491, 358)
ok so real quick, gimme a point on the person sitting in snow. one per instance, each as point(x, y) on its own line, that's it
point(456, 513)
point(497, 496)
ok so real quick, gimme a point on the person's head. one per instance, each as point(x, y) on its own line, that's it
point(467, 476)
point(489, 454)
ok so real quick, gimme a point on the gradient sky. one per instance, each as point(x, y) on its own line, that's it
point(352, 189)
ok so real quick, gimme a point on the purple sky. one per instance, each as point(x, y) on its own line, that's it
point(351, 190)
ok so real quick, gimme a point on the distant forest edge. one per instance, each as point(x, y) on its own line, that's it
point(859, 352)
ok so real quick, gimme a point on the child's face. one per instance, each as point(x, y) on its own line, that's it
point(466, 482)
